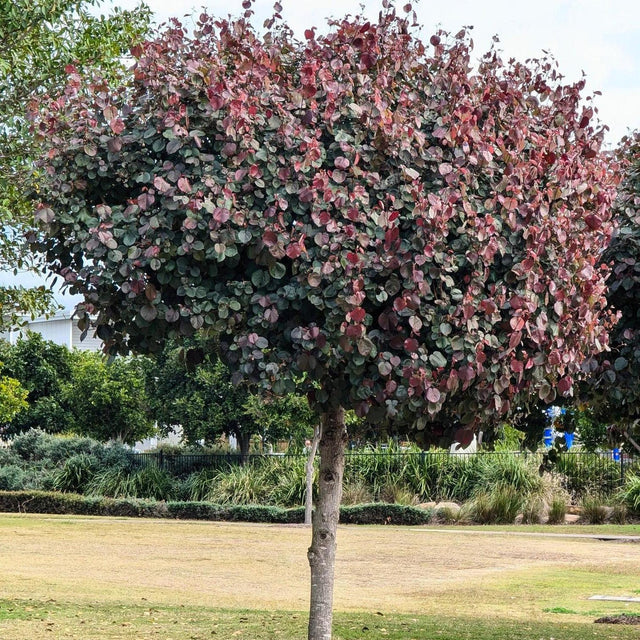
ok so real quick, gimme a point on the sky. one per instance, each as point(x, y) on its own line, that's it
point(600, 38)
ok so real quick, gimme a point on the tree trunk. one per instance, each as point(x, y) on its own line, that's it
point(244, 441)
point(322, 551)
point(308, 499)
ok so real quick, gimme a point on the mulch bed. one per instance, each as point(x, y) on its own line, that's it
point(623, 618)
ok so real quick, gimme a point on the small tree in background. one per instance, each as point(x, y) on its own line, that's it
point(360, 216)
point(106, 399)
point(43, 368)
point(188, 386)
point(13, 399)
point(612, 389)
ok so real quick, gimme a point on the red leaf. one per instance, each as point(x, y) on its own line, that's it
point(353, 257)
point(357, 314)
point(221, 215)
point(464, 437)
point(184, 186)
point(565, 385)
point(433, 395)
point(293, 251)
point(309, 34)
point(117, 126)
point(269, 238)
point(517, 323)
point(410, 345)
point(517, 366)
point(593, 221)
point(399, 304)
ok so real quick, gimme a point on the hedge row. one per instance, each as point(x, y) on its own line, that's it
point(74, 504)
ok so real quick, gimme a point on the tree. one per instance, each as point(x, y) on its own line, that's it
point(612, 390)
point(197, 394)
point(287, 417)
point(43, 368)
point(189, 386)
point(13, 398)
point(38, 38)
point(360, 216)
point(107, 400)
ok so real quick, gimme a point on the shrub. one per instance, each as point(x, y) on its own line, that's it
point(557, 510)
point(240, 485)
point(147, 482)
point(13, 478)
point(448, 515)
point(287, 479)
point(533, 510)
point(382, 513)
point(619, 514)
point(356, 491)
point(199, 484)
point(397, 492)
point(629, 494)
point(75, 474)
point(593, 511)
point(515, 472)
point(588, 473)
point(500, 506)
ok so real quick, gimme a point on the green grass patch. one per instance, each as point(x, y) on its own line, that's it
point(32, 620)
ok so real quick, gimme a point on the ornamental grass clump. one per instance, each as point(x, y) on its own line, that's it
point(629, 494)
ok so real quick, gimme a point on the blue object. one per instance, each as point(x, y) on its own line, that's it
point(568, 438)
point(616, 454)
point(547, 436)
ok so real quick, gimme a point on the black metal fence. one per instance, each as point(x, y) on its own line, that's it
point(439, 474)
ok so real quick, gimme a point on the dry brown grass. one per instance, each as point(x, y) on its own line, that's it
point(393, 569)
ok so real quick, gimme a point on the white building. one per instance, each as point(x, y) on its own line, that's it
point(61, 327)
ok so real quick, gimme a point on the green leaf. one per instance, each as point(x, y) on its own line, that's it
point(277, 270)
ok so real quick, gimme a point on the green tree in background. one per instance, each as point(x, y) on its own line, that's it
point(107, 400)
point(13, 399)
point(43, 369)
point(190, 387)
point(39, 39)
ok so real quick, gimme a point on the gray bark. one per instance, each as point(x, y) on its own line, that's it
point(308, 499)
point(322, 551)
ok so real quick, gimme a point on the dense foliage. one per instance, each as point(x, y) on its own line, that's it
point(360, 215)
point(75, 391)
point(43, 369)
point(188, 386)
point(107, 400)
point(38, 39)
point(613, 390)
point(12, 399)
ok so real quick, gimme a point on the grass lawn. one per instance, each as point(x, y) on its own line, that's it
point(82, 578)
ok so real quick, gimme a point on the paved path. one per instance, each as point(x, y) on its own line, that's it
point(605, 537)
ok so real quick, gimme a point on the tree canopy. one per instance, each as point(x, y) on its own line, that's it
point(360, 215)
point(43, 369)
point(296, 199)
point(107, 400)
point(38, 39)
point(612, 389)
